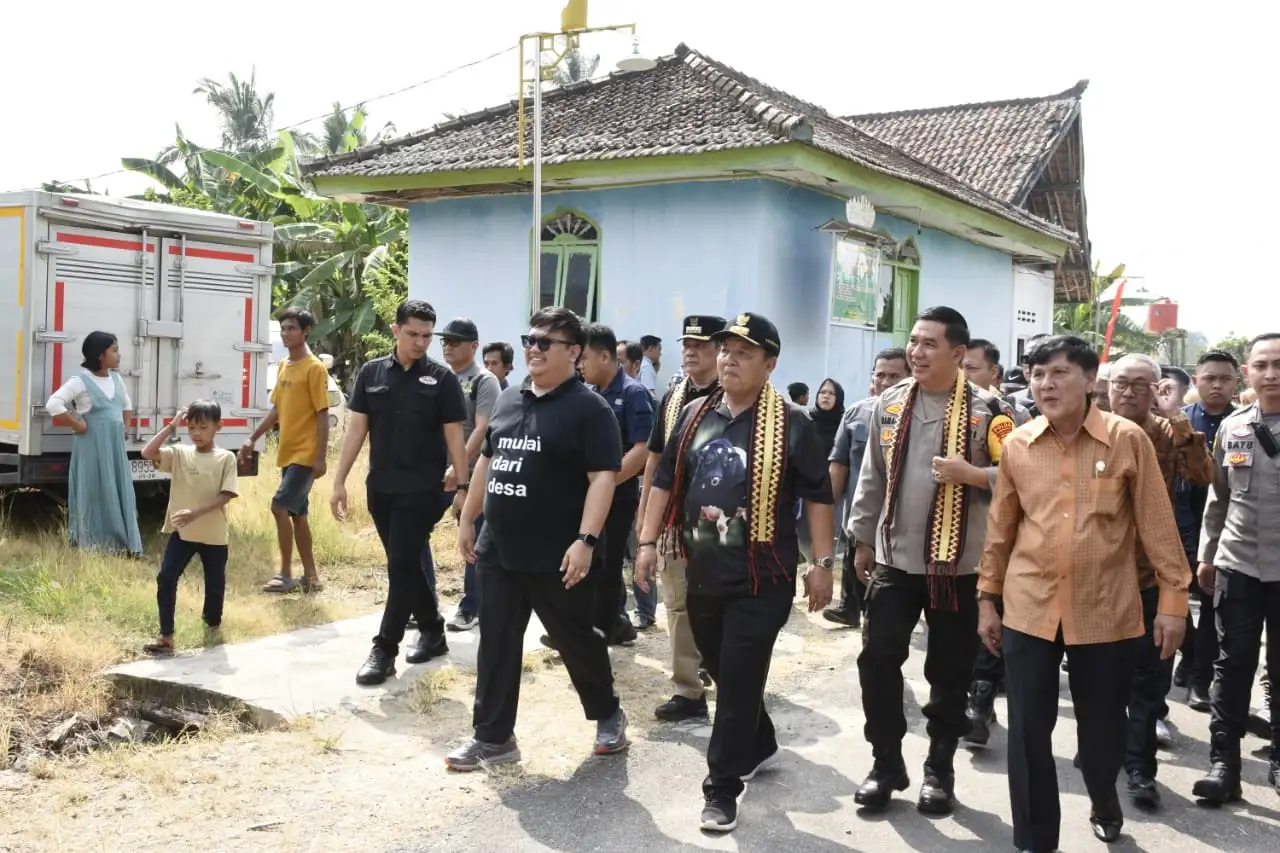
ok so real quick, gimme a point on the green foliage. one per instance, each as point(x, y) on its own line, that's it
point(326, 252)
point(386, 285)
point(1088, 320)
point(1235, 344)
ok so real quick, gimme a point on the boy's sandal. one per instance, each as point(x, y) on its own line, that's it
point(280, 583)
point(159, 647)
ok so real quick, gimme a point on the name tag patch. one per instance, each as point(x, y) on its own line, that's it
point(1238, 452)
point(428, 380)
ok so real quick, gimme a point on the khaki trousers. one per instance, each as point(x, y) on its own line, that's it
point(685, 659)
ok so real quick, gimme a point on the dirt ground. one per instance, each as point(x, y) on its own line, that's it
point(363, 778)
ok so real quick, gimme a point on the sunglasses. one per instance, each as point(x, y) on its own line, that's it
point(540, 343)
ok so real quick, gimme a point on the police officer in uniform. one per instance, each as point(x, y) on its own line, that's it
point(1240, 565)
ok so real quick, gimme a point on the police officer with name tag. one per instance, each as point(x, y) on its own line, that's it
point(411, 408)
point(1240, 566)
point(548, 469)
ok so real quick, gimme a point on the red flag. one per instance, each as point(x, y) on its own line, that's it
point(1111, 324)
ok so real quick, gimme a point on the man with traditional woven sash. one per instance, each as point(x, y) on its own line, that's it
point(726, 489)
point(698, 380)
point(919, 516)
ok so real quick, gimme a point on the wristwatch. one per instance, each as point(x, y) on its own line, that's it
point(462, 487)
point(827, 563)
point(588, 540)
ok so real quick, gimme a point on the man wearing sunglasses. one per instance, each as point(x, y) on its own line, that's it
point(548, 466)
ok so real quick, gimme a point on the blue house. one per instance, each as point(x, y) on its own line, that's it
point(692, 188)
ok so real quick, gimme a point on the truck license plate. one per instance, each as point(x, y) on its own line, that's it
point(145, 470)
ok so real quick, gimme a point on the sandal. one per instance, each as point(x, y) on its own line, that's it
point(310, 585)
point(280, 584)
point(162, 646)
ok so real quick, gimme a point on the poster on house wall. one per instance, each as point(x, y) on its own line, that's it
point(856, 286)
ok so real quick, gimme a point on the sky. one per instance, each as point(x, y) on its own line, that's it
point(1176, 116)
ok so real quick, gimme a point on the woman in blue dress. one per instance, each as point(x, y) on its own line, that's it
point(102, 511)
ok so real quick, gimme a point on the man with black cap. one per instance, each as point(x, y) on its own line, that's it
point(698, 380)
point(460, 340)
point(725, 489)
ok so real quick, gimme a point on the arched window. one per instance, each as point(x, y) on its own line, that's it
point(569, 269)
point(899, 290)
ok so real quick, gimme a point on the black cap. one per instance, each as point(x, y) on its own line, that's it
point(460, 329)
point(701, 328)
point(1015, 376)
point(753, 329)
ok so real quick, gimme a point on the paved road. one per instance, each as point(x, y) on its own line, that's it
point(649, 800)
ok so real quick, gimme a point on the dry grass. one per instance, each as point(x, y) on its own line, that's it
point(65, 615)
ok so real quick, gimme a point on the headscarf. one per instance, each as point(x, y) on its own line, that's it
point(828, 421)
point(95, 345)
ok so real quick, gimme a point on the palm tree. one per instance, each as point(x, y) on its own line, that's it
point(244, 114)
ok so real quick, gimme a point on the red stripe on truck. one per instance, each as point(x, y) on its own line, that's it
point(214, 255)
point(247, 363)
point(58, 304)
point(104, 242)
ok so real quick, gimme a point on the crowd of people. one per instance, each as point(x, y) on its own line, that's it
point(1054, 516)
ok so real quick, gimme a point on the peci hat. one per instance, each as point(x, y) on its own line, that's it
point(754, 329)
point(701, 328)
point(460, 329)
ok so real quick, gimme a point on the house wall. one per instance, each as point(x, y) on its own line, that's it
point(718, 247)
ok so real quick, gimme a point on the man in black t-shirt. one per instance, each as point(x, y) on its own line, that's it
point(698, 366)
point(547, 475)
point(412, 409)
point(726, 488)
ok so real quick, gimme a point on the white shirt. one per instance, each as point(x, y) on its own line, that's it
point(74, 396)
point(648, 376)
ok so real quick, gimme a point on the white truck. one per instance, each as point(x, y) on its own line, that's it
point(186, 292)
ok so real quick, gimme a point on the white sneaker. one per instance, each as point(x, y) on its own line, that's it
point(768, 763)
point(462, 621)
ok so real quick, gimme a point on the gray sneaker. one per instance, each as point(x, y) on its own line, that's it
point(463, 621)
point(611, 734)
point(476, 754)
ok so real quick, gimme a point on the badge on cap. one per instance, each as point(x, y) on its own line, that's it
point(692, 330)
point(743, 319)
point(428, 380)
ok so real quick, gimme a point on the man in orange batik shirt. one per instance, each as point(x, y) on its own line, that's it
point(1061, 552)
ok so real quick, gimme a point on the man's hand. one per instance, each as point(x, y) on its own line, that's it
point(1167, 401)
point(990, 628)
point(459, 501)
point(1168, 632)
point(951, 470)
point(245, 452)
point(338, 501)
point(817, 588)
point(1206, 576)
point(320, 466)
point(450, 480)
point(576, 563)
point(467, 542)
point(864, 560)
point(646, 566)
point(182, 517)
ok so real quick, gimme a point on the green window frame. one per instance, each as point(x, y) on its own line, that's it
point(569, 266)
point(901, 264)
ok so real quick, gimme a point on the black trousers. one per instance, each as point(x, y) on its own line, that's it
point(507, 598)
point(989, 667)
point(404, 523)
point(1204, 643)
point(607, 559)
point(1100, 676)
point(895, 601)
point(853, 592)
point(1152, 678)
point(736, 637)
point(1245, 606)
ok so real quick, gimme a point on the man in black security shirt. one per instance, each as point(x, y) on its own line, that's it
point(726, 487)
point(698, 364)
point(547, 469)
point(412, 409)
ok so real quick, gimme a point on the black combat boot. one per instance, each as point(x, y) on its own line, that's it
point(1222, 783)
point(981, 712)
point(938, 791)
point(887, 775)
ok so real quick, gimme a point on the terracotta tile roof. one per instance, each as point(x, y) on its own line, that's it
point(688, 104)
point(999, 147)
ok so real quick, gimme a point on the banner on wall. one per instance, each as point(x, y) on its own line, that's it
point(856, 288)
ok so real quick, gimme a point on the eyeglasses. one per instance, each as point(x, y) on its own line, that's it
point(540, 343)
point(1137, 386)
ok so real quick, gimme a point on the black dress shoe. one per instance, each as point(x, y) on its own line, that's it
point(1198, 700)
point(1143, 791)
point(377, 668)
point(1106, 830)
point(938, 791)
point(1182, 675)
point(426, 647)
point(679, 708)
point(981, 712)
point(885, 778)
point(624, 633)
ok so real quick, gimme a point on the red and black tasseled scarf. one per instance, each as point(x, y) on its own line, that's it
point(766, 469)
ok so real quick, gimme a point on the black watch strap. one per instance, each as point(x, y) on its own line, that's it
point(588, 540)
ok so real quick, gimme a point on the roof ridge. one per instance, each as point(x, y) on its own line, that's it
point(733, 84)
point(386, 146)
point(1073, 93)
